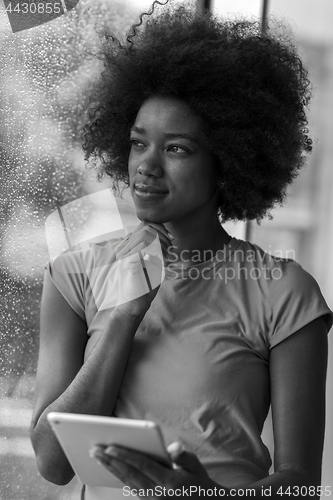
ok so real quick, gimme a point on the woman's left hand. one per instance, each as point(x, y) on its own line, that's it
point(140, 472)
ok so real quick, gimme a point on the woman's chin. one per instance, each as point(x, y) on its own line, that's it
point(150, 216)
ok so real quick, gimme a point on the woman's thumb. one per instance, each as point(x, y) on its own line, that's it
point(184, 459)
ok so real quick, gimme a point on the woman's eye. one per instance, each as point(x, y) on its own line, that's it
point(136, 144)
point(178, 149)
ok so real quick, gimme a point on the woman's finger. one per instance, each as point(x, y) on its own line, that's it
point(164, 239)
point(145, 235)
point(186, 460)
point(147, 467)
point(136, 249)
point(153, 247)
point(132, 244)
point(152, 226)
point(130, 236)
point(128, 474)
point(162, 229)
point(104, 460)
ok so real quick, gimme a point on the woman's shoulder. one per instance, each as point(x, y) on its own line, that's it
point(275, 272)
point(270, 268)
point(84, 257)
point(292, 294)
point(75, 271)
point(247, 252)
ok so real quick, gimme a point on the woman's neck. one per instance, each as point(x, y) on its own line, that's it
point(196, 241)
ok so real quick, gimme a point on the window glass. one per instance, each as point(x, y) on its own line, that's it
point(45, 72)
point(232, 8)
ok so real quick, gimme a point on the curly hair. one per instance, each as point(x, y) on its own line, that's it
point(250, 89)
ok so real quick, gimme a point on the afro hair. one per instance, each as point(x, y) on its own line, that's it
point(250, 89)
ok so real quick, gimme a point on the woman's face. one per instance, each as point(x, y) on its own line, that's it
point(171, 173)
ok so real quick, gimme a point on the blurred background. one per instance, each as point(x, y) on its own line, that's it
point(45, 73)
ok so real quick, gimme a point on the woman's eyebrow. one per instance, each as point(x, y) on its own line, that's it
point(139, 130)
point(169, 135)
point(181, 136)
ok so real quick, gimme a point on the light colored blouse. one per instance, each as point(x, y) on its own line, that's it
point(199, 360)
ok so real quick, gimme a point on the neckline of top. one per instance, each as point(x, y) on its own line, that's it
point(183, 269)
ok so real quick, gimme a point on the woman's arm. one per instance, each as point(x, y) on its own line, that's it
point(298, 379)
point(64, 383)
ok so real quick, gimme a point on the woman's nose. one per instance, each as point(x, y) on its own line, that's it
point(151, 165)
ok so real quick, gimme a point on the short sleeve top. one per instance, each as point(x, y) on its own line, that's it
point(199, 360)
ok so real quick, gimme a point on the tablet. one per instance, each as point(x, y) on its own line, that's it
point(78, 433)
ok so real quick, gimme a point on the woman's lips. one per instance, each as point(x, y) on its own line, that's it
point(148, 195)
point(148, 192)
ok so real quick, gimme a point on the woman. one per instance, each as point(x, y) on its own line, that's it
point(204, 119)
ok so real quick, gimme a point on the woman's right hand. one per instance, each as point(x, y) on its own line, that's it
point(135, 292)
